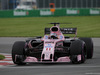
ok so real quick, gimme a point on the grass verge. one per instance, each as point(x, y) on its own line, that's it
point(88, 26)
point(2, 57)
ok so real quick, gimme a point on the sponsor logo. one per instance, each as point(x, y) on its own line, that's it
point(68, 11)
point(46, 37)
point(20, 13)
point(94, 11)
point(68, 29)
point(61, 37)
point(48, 46)
point(49, 42)
point(47, 12)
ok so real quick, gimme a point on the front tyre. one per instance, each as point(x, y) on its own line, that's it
point(18, 52)
point(89, 47)
point(77, 50)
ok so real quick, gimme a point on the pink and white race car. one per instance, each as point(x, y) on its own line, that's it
point(53, 48)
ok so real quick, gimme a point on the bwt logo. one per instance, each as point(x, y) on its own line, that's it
point(48, 46)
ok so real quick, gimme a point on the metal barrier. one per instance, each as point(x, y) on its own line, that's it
point(42, 4)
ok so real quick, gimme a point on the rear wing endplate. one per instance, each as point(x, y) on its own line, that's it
point(63, 30)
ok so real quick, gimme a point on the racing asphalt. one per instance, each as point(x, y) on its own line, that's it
point(90, 67)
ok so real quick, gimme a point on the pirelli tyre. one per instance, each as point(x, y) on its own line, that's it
point(18, 53)
point(77, 48)
point(89, 47)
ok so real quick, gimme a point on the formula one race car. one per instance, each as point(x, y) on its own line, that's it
point(53, 48)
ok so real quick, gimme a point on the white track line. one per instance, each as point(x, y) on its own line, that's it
point(48, 67)
point(6, 61)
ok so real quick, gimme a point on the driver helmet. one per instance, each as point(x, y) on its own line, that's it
point(53, 35)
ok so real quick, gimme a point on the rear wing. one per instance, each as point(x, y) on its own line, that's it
point(47, 31)
point(63, 30)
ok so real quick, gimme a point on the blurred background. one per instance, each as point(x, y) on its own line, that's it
point(42, 4)
point(28, 17)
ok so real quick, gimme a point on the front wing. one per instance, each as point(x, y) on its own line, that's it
point(65, 59)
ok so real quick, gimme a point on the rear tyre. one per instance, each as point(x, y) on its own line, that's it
point(77, 48)
point(89, 47)
point(18, 53)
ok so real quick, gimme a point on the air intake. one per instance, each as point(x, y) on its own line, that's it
point(54, 29)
